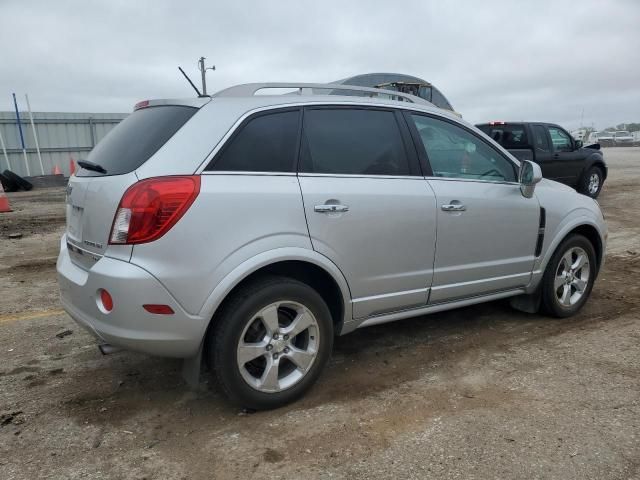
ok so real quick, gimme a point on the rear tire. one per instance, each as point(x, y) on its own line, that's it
point(591, 183)
point(569, 277)
point(270, 342)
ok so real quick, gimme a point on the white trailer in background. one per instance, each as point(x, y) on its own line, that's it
point(580, 134)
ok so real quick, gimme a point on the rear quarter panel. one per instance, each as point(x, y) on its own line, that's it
point(234, 218)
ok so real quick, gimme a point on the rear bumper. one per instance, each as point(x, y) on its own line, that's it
point(128, 325)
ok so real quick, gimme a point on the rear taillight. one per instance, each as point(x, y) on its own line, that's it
point(150, 208)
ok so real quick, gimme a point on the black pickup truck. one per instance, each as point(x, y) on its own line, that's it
point(560, 156)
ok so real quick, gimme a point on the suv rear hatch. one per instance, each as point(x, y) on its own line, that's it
point(93, 195)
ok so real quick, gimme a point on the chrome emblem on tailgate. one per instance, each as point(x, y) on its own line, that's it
point(93, 244)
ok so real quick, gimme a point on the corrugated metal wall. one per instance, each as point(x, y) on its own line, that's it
point(61, 136)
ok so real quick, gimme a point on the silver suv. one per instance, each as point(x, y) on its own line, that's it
point(251, 229)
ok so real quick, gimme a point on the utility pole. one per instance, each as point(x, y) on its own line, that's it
point(203, 70)
point(35, 134)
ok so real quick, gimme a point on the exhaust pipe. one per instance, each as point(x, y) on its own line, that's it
point(107, 349)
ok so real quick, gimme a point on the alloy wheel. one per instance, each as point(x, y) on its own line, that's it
point(278, 346)
point(594, 183)
point(572, 277)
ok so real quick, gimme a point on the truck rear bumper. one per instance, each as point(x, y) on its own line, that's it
point(128, 325)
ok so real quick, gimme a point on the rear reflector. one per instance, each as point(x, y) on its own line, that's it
point(106, 300)
point(159, 309)
point(150, 208)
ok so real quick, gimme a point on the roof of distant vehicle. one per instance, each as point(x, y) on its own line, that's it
point(392, 81)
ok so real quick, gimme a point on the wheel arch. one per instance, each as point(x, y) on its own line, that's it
point(584, 226)
point(304, 265)
point(595, 160)
point(591, 234)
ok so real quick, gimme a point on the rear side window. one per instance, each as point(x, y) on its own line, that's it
point(540, 139)
point(136, 139)
point(353, 141)
point(509, 136)
point(266, 143)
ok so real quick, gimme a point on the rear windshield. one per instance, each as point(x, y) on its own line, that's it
point(509, 136)
point(136, 139)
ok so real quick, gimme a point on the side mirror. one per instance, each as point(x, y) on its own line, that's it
point(579, 144)
point(530, 175)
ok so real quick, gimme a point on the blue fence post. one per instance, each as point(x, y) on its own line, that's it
point(24, 150)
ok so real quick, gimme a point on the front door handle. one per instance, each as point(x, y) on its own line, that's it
point(331, 208)
point(453, 207)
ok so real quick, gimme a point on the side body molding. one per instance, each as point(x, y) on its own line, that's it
point(270, 257)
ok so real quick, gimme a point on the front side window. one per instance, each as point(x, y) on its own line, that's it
point(352, 142)
point(560, 140)
point(266, 143)
point(453, 152)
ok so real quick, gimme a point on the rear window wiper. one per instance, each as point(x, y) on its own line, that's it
point(87, 165)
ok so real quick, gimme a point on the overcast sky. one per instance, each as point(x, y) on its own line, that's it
point(534, 60)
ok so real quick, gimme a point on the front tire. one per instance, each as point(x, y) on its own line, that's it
point(271, 341)
point(569, 277)
point(591, 183)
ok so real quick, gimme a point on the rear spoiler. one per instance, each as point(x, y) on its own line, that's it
point(183, 102)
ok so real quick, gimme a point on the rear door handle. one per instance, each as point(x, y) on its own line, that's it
point(453, 207)
point(330, 208)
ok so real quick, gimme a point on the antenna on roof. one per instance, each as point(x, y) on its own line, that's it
point(190, 82)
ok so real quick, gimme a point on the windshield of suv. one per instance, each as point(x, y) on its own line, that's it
point(623, 133)
point(134, 140)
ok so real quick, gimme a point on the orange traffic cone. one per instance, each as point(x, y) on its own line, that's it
point(72, 166)
point(4, 201)
point(56, 170)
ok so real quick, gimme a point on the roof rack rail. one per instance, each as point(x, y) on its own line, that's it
point(250, 89)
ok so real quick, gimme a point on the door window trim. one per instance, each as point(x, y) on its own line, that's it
point(409, 148)
point(424, 158)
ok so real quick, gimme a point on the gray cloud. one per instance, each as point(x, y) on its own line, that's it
point(537, 60)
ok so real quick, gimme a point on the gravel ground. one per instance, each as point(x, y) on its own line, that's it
point(475, 393)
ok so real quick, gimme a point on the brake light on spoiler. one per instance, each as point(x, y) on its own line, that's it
point(149, 208)
point(497, 123)
point(142, 104)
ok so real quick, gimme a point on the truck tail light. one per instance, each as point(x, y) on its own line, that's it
point(150, 208)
